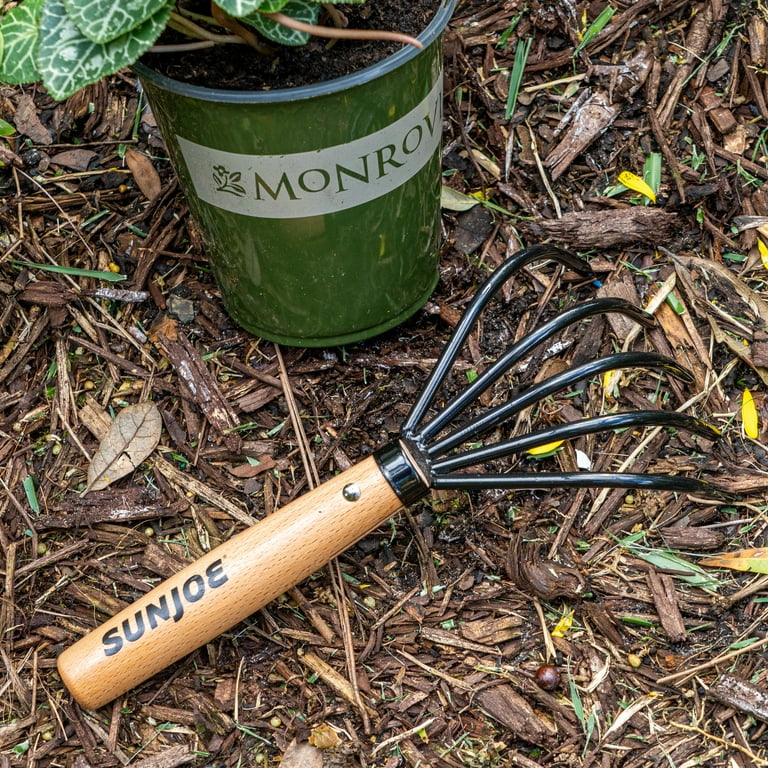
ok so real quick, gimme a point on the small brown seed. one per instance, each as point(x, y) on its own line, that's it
point(547, 677)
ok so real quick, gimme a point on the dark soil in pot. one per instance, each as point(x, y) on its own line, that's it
point(239, 67)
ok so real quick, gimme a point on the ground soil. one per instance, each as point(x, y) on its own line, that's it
point(422, 644)
point(242, 68)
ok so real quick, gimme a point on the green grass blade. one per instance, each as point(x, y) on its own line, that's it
point(31, 493)
point(73, 271)
point(516, 75)
point(595, 28)
point(652, 171)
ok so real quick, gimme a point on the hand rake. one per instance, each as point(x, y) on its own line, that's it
point(240, 576)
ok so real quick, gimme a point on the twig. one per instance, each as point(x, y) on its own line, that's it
point(404, 735)
point(548, 644)
point(543, 173)
point(711, 663)
point(349, 648)
point(723, 742)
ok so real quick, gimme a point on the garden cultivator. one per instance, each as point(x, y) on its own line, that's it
point(242, 575)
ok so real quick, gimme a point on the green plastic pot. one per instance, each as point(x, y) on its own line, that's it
point(320, 205)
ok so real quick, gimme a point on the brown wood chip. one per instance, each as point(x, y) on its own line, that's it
point(507, 706)
point(622, 226)
point(741, 695)
point(662, 589)
point(201, 387)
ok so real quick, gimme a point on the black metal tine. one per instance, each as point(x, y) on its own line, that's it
point(547, 480)
point(481, 298)
point(522, 348)
point(576, 429)
point(500, 413)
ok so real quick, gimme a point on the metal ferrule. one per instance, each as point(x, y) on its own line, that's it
point(402, 472)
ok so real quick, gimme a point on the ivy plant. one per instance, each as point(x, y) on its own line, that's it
point(68, 44)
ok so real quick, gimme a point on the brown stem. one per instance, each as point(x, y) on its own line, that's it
point(198, 45)
point(190, 29)
point(233, 25)
point(336, 17)
point(348, 34)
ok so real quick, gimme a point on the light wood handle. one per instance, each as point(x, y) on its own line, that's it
point(226, 585)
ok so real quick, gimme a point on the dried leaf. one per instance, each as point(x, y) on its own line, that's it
point(133, 435)
point(453, 200)
point(144, 173)
point(486, 164)
point(324, 737)
point(749, 415)
point(28, 123)
point(302, 755)
point(754, 560)
point(75, 159)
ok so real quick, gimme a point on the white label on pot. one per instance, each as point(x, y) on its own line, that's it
point(322, 181)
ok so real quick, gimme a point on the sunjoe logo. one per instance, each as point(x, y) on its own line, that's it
point(323, 181)
point(166, 608)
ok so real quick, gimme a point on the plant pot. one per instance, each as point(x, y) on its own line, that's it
point(320, 205)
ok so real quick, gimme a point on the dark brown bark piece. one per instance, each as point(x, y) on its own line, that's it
point(199, 386)
point(602, 229)
point(509, 708)
point(665, 599)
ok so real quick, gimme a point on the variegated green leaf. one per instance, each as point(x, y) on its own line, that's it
point(301, 10)
point(273, 6)
point(105, 20)
point(239, 8)
point(68, 60)
point(18, 30)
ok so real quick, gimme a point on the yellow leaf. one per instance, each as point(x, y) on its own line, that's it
point(562, 626)
point(749, 415)
point(763, 250)
point(610, 383)
point(636, 184)
point(539, 450)
point(754, 560)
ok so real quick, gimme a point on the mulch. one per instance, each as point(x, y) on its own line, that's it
point(423, 643)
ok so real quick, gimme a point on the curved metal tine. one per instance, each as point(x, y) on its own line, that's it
point(576, 429)
point(547, 387)
point(481, 298)
point(546, 480)
point(523, 347)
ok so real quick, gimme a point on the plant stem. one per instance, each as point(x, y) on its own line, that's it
point(336, 17)
point(189, 28)
point(241, 30)
point(198, 45)
point(348, 34)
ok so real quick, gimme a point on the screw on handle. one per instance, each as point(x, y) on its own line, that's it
point(226, 585)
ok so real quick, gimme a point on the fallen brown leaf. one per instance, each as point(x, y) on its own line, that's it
point(146, 177)
point(302, 755)
point(134, 434)
point(28, 123)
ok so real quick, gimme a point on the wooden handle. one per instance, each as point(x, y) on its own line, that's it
point(226, 585)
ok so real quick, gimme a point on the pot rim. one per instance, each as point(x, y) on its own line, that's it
point(407, 52)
